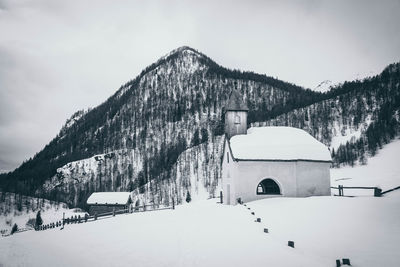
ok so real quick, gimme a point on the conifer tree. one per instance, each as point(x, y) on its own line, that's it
point(188, 197)
point(39, 220)
point(14, 228)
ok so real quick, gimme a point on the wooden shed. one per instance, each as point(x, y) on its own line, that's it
point(102, 202)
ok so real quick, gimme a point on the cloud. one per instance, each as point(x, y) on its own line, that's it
point(57, 57)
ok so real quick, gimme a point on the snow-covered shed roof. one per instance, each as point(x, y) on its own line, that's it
point(112, 198)
point(235, 102)
point(278, 143)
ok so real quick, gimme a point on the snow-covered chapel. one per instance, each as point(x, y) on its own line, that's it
point(263, 162)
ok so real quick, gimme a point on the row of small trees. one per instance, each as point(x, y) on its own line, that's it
point(38, 223)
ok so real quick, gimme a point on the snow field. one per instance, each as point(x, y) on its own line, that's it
point(366, 229)
point(50, 212)
point(201, 234)
point(382, 171)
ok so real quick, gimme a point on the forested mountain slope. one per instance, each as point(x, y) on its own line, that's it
point(141, 130)
point(160, 135)
point(355, 120)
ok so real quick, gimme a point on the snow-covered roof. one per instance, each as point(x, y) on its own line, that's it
point(112, 198)
point(278, 143)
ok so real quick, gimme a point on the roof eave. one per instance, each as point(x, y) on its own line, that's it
point(232, 109)
point(286, 160)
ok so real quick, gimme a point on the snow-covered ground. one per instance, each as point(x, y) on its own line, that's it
point(382, 171)
point(364, 229)
point(50, 212)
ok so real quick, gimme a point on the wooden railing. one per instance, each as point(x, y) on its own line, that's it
point(377, 191)
point(87, 218)
point(390, 190)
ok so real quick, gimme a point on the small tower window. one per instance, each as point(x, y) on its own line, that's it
point(237, 119)
point(227, 156)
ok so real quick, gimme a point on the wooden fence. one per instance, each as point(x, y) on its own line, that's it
point(87, 218)
point(377, 191)
point(390, 190)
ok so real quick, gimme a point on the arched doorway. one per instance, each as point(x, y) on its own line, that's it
point(268, 187)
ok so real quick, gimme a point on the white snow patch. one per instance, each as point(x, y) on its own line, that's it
point(348, 133)
point(324, 86)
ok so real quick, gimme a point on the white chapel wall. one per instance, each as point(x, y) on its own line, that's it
point(313, 179)
point(249, 174)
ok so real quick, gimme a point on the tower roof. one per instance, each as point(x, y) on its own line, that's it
point(235, 102)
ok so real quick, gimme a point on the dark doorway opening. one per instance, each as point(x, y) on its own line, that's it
point(268, 187)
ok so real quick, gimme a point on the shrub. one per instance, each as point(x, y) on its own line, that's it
point(188, 197)
point(14, 228)
point(31, 223)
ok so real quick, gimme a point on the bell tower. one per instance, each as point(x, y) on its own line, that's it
point(235, 115)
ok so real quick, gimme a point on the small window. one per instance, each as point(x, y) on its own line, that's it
point(227, 156)
point(237, 119)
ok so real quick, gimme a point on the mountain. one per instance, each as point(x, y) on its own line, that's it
point(324, 86)
point(160, 135)
point(355, 120)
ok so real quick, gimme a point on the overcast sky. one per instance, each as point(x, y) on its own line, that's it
point(57, 57)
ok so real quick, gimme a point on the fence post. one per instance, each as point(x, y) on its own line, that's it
point(95, 216)
point(220, 197)
point(377, 192)
point(173, 203)
point(340, 190)
point(346, 261)
point(114, 211)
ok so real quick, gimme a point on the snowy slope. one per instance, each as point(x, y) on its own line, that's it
point(383, 171)
point(364, 229)
point(209, 234)
point(202, 234)
point(50, 211)
point(324, 86)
